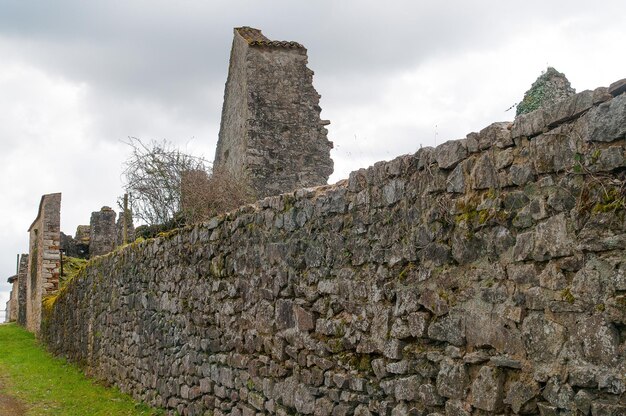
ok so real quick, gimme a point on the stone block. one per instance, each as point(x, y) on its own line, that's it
point(484, 174)
point(450, 328)
point(450, 153)
point(617, 88)
point(568, 108)
point(496, 134)
point(418, 322)
point(529, 125)
point(452, 380)
point(305, 320)
point(487, 390)
point(406, 388)
point(543, 338)
point(520, 395)
point(607, 122)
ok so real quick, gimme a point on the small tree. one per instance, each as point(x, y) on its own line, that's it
point(152, 178)
point(169, 188)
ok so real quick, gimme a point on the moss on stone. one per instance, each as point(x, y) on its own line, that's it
point(550, 87)
point(567, 296)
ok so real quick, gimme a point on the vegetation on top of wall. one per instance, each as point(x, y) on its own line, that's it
point(551, 86)
point(72, 266)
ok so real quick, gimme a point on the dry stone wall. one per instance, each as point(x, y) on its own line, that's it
point(486, 276)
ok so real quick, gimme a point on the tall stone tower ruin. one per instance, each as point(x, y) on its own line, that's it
point(271, 133)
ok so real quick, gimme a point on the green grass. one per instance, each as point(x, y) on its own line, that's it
point(52, 386)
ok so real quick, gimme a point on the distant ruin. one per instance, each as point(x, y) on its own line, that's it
point(271, 133)
point(40, 272)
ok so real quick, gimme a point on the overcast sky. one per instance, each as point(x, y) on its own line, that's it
point(78, 77)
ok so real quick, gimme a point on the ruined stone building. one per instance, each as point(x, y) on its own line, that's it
point(271, 133)
point(39, 272)
point(44, 267)
point(22, 275)
point(103, 234)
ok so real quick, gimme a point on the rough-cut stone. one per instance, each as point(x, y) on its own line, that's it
point(450, 328)
point(558, 394)
point(496, 134)
point(599, 339)
point(529, 125)
point(487, 389)
point(452, 380)
point(569, 108)
point(617, 88)
point(483, 174)
point(450, 153)
point(607, 122)
point(520, 394)
point(418, 322)
point(552, 239)
point(407, 388)
point(553, 152)
point(543, 338)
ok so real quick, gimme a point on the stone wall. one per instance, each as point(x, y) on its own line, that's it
point(44, 258)
point(271, 133)
point(22, 276)
point(12, 305)
point(102, 232)
point(486, 276)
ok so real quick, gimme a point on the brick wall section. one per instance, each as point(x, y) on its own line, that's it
point(486, 276)
point(44, 258)
point(271, 132)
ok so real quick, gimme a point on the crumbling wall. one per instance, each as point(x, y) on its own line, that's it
point(22, 275)
point(125, 228)
point(44, 258)
point(486, 276)
point(12, 305)
point(271, 133)
point(102, 232)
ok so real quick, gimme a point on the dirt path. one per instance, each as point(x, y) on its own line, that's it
point(9, 405)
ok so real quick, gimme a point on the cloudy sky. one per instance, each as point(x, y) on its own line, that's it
point(77, 78)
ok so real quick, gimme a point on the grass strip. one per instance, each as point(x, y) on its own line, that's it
point(52, 386)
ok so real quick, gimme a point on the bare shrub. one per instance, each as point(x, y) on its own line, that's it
point(152, 178)
point(204, 195)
